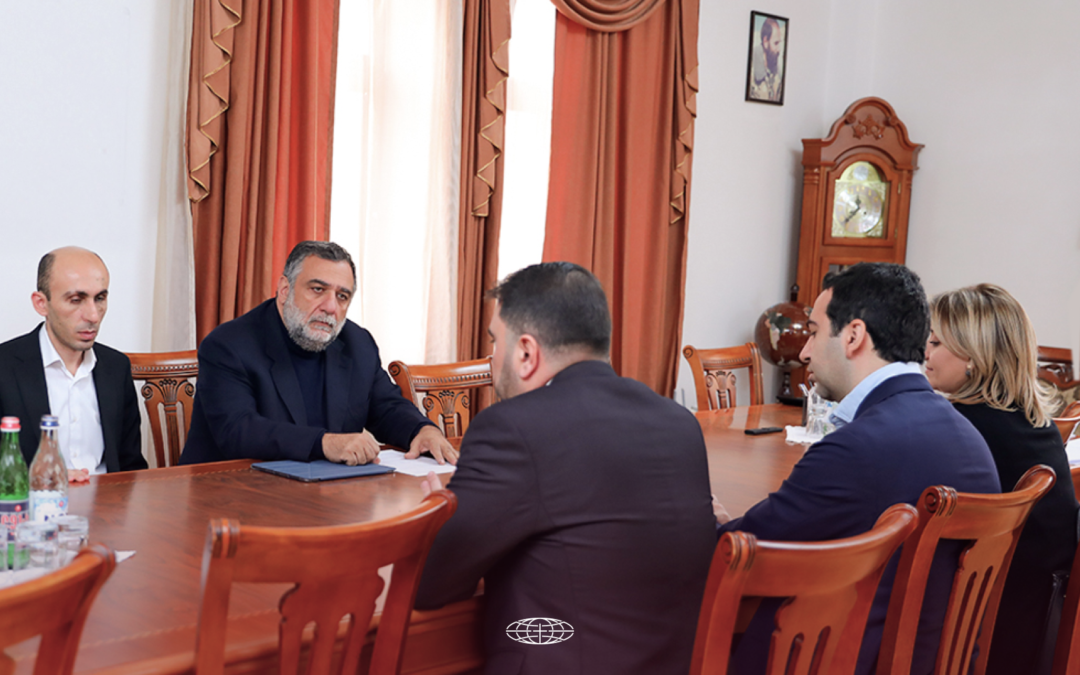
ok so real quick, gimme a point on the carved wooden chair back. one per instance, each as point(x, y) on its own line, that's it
point(1056, 366)
point(336, 575)
point(1067, 650)
point(713, 379)
point(830, 586)
point(446, 392)
point(55, 607)
point(1070, 417)
point(992, 524)
point(168, 392)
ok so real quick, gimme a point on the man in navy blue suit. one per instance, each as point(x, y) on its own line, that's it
point(895, 437)
point(294, 379)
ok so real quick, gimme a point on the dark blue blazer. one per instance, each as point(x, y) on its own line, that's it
point(248, 402)
point(904, 438)
point(24, 394)
point(585, 501)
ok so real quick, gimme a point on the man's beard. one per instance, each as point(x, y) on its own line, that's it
point(772, 59)
point(306, 337)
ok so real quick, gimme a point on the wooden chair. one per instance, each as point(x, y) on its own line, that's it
point(335, 570)
point(1067, 650)
point(992, 524)
point(55, 607)
point(168, 392)
point(830, 586)
point(445, 392)
point(1056, 367)
point(713, 379)
point(1070, 417)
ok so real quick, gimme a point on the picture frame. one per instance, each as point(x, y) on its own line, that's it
point(766, 66)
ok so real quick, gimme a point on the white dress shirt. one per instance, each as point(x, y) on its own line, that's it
point(73, 399)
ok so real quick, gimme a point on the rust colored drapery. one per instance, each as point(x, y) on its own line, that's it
point(260, 109)
point(621, 145)
point(485, 67)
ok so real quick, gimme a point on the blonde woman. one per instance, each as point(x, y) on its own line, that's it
point(982, 355)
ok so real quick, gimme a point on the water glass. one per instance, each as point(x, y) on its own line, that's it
point(817, 415)
point(73, 535)
point(36, 546)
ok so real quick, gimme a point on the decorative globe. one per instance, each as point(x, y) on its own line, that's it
point(781, 333)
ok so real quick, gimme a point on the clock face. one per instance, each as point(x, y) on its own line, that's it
point(860, 200)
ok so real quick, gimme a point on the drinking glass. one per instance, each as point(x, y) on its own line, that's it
point(36, 546)
point(817, 414)
point(73, 535)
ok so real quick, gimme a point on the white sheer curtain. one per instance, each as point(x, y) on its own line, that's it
point(396, 157)
point(528, 135)
point(173, 316)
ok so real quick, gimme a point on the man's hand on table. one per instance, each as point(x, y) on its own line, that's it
point(430, 439)
point(78, 476)
point(351, 449)
point(722, 516)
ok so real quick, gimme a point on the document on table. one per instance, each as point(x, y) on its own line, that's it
point(412, 467)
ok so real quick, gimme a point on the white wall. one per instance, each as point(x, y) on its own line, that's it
point(993, 95)
point(987, 87)
point(747, 180)
point(82, 111)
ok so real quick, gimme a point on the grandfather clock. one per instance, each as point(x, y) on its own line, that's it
point(856, 194)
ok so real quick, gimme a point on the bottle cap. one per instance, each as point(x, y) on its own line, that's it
point(50, 422)
point(9, 424)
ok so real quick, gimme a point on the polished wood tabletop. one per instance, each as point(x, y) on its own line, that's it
point(145, 616)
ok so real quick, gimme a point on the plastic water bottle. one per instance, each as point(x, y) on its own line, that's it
point(48, 475)
point(14, 486)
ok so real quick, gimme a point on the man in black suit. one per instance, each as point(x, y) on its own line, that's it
point(59, 369)
point(583, 498)
point(294, 379)
point(895, 437)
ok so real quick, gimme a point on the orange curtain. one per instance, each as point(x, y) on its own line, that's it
point(622, 136)
point(260, 111)
point(483, 106)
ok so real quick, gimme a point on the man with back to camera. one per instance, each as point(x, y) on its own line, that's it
point(583, 497)
point(59, 369)
point(294, 379)
point(894, 438)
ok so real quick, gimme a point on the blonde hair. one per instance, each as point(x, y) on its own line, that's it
point(988, 327)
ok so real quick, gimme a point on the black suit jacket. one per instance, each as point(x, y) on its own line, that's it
point(24, 394)
point(904, 438)
point(248, 402)
point(585, 501)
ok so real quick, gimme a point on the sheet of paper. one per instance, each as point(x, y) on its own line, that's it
point(800, 435)
point(413, 467)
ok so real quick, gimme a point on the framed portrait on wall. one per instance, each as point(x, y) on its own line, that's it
point(767, 62)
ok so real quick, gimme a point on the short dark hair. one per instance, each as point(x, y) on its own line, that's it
point(890, 300)
point(559, 303)
point(44, 274)
point(327, 250)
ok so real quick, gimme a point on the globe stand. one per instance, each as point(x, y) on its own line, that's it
point(786, 395)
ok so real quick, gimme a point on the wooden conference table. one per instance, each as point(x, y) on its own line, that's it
point(144, 619)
